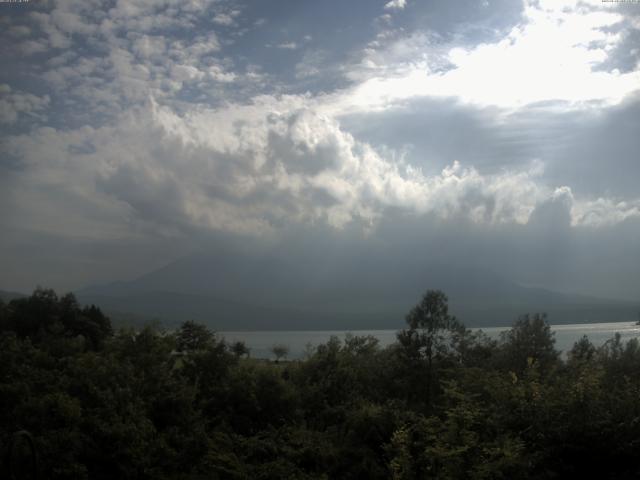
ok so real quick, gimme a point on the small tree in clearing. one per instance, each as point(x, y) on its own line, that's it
point(280, 351)
point(239, 349)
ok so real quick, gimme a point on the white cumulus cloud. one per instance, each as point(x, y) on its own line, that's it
point(395, 5)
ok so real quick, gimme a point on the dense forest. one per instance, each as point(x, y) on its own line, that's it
point(442, 402)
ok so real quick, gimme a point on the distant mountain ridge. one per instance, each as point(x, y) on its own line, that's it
point(6, 296)
point(280, 292)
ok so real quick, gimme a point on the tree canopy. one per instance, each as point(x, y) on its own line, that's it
point(442, 402)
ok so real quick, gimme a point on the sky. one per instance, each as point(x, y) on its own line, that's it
point(500, 134)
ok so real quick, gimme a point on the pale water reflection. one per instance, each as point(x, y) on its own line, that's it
point(260, 343)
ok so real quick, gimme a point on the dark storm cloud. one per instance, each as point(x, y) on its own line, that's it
point(594, 152)
point(602, 157)
point(431, 131)
point(600, 262)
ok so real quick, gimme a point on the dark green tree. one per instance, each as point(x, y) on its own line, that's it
point(430, 333)
point(193, 337)
point(239, 349)
point(280, 351)
point(583, 350)
point(530, 340)
point(44, 315)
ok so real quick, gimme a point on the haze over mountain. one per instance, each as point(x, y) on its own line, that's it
point(8, 296)
point(278, 291)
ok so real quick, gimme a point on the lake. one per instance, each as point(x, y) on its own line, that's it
point(260, 343)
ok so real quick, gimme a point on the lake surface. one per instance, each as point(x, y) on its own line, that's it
point(260, 343)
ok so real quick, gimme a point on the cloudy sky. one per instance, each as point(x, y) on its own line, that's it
point(502, 134)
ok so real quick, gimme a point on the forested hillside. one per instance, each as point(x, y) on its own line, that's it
point(442, 402)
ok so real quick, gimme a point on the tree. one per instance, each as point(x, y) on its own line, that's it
point(280, 351)
point(3, 315)
point(193, 337)
point(530, 340)
point(33, 316)
point(239, 348)
point(583, 350)
point(44, 315)
point(89, 321)
point(430, 331)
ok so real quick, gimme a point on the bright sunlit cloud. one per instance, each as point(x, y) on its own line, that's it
point(560, 46)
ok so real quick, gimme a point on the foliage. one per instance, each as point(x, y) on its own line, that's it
point(43, 317)
point(240, 349)
point(429, 338)
point(529, 340)
point(193, 337)
point(280, 351)
point(443, 402)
